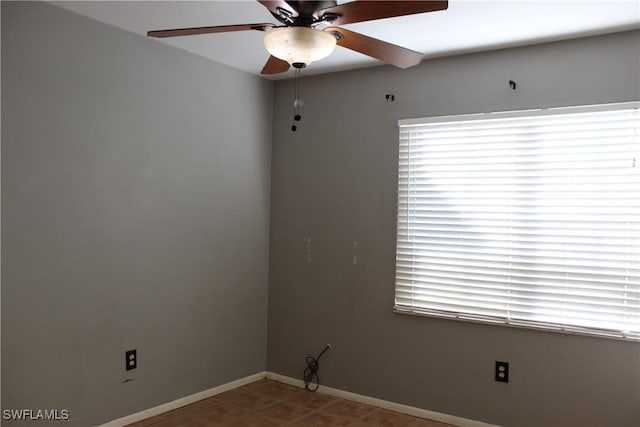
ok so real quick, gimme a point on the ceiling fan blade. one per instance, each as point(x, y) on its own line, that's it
point(390, 53)
point(275, 66)
point(208, 30)
point(359, 11)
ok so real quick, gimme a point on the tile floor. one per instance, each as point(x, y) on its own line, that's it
point(267, 403)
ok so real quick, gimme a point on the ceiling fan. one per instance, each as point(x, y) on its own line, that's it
point(308, 32)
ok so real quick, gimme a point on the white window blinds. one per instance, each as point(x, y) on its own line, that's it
point(528, 218)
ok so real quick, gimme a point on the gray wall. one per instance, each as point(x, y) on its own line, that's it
point(135, 196)
point(334, 181)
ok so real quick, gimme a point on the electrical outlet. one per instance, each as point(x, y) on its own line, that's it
point(502, 372)
point(132, 359)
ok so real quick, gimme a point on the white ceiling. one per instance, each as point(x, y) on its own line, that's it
point(466, 26)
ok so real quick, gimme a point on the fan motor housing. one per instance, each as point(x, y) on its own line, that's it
point(307, 13)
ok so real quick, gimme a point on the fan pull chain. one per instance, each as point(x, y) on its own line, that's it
point(297, 103)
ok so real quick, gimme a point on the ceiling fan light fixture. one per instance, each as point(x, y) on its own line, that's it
point(299, 46)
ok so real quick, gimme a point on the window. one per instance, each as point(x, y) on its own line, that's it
point(526, 218)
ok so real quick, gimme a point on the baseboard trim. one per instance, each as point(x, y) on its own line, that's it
point(391, 406)
point(174, 404)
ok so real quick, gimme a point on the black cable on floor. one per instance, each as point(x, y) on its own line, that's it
point(310, 375)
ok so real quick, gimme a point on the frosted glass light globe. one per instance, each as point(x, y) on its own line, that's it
point(299, 46)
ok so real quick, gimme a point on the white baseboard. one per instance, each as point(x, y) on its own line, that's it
point(391, 406)
point(170, 406)
point(384, 404)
